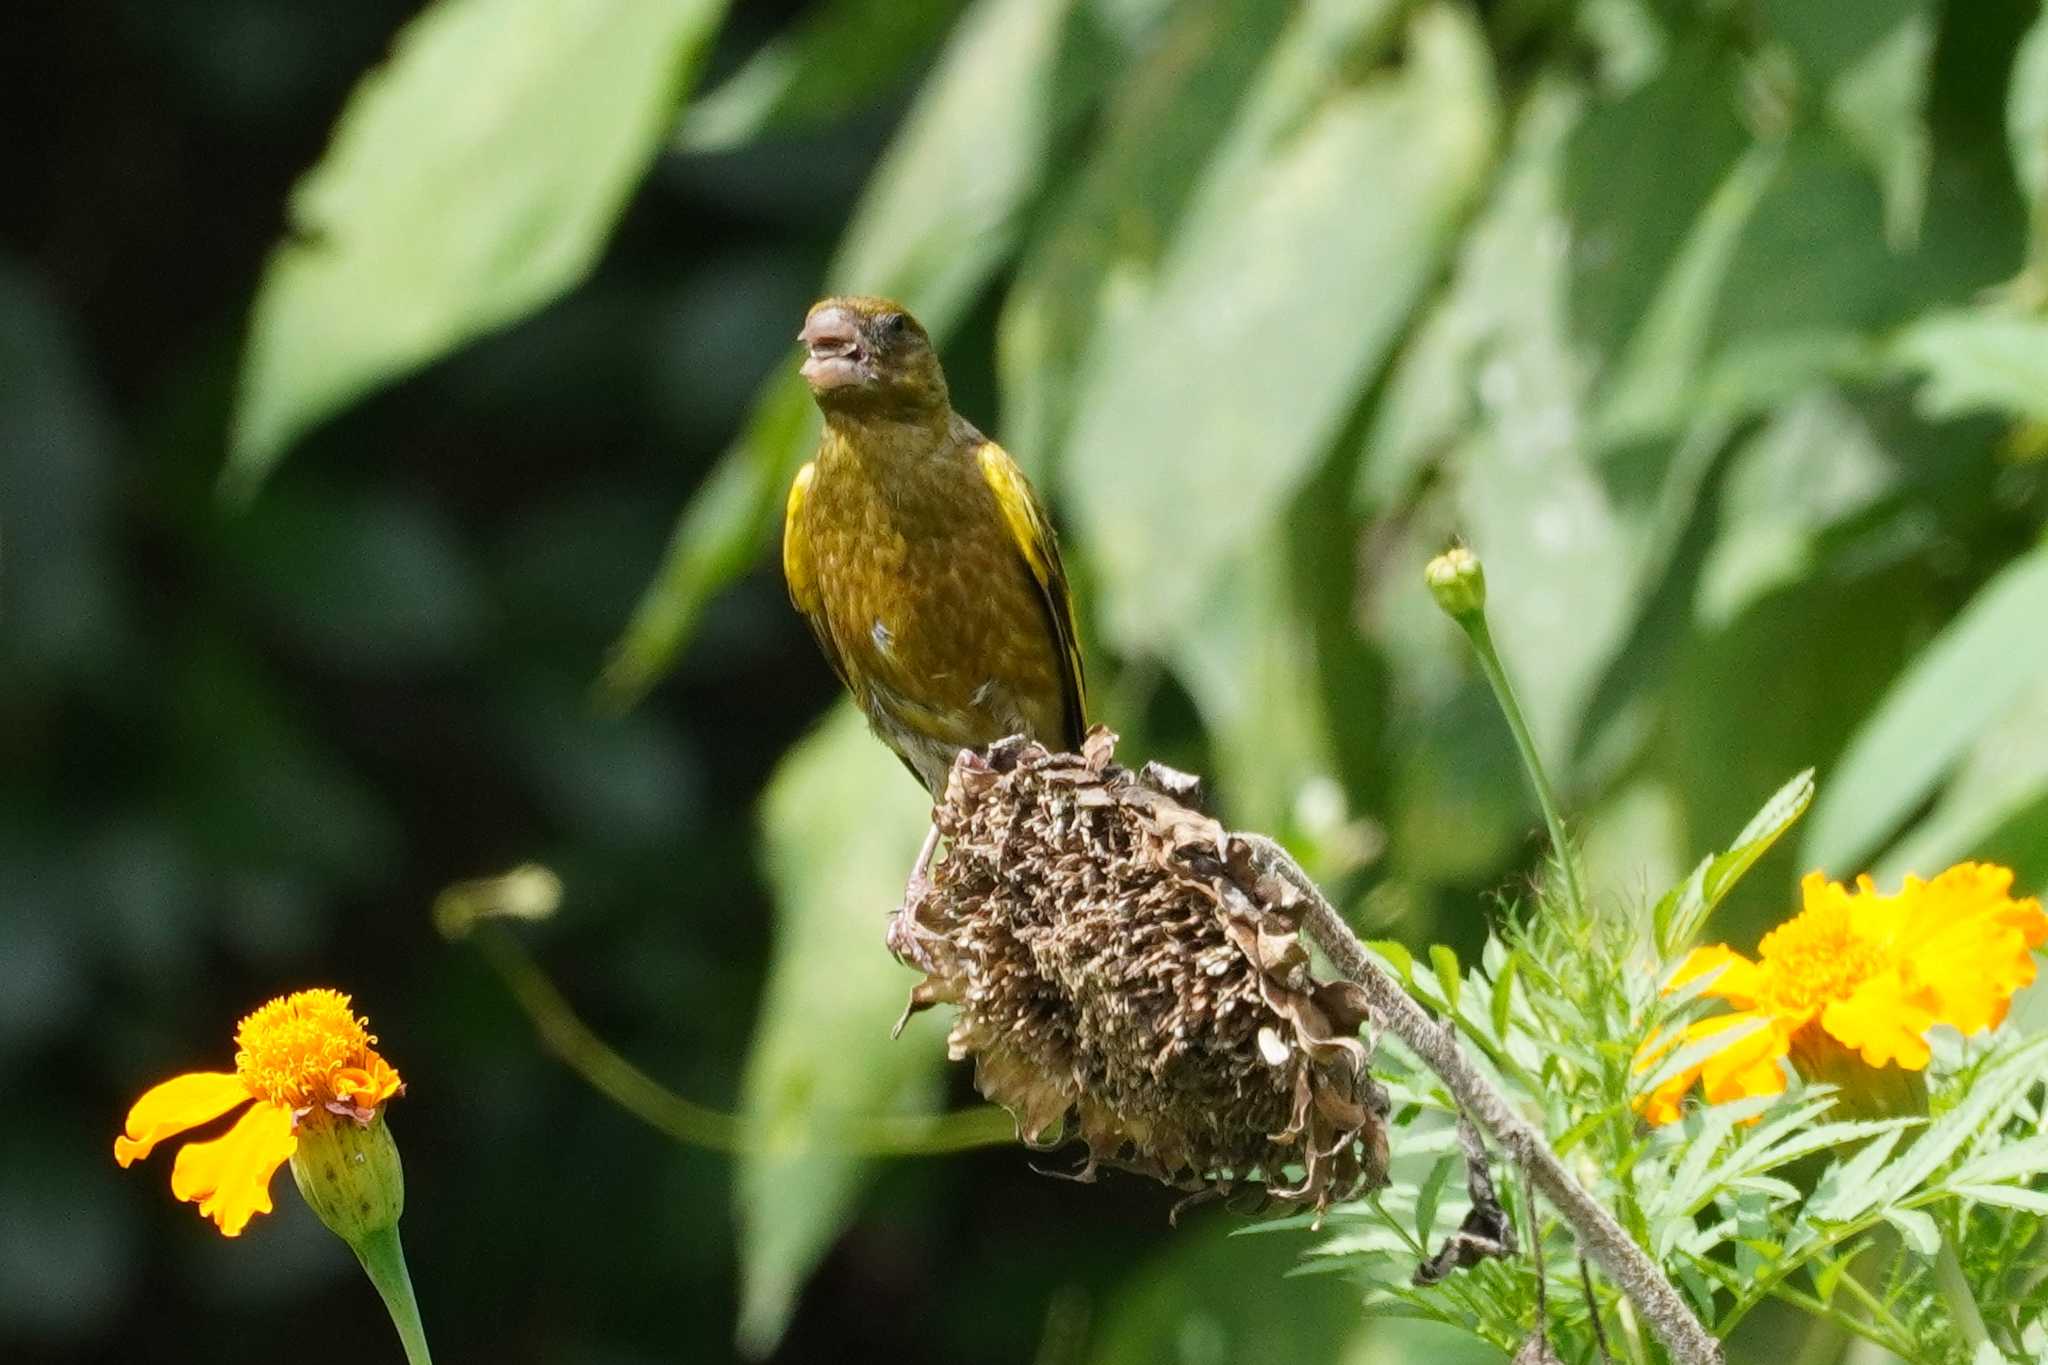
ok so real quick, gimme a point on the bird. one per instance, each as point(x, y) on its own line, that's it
point(924, 561)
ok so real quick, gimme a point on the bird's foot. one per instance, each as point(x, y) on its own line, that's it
point(908, 937)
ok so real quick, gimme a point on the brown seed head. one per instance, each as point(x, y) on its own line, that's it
point(1121, 974)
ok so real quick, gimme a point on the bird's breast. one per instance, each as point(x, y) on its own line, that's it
point(929, 602)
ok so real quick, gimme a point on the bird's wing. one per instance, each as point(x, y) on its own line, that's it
point(1031, 532)
point(802, 578)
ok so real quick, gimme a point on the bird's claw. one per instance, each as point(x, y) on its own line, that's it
point(907, 935)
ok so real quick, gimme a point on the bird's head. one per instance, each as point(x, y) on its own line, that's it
point(868, 355)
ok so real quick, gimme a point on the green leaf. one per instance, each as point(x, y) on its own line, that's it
point(1697, 1052)
point(839, 56)
point(1814, 464)
point(1430, 1194)
point(1093, 263)
point(1847, 1190)
point(1503, 1002)
point(1978, 360)
point(1252, 668)
point(1985, 810)
point(1189, 1303)
point(2005, 1196)
point(1683, 910)
point(840, 824)
point(1879, 102)
point(2012, 1161)
point(934, 224)
point(1398, 958)
point(1958, 686)
point(1638, 173)
point(1786, 805)
point(1993, 1091)
point(472, 178)
point(1210, 404)
point(1568, 540)
point(1814, 281)
point(2026, 129)
point(1448, 977)
point(1916, 1228)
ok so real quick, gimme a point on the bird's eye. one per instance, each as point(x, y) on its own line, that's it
point(896, 324)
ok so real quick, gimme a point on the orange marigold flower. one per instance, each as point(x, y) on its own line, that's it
point(1848, 988)
point(303, 1054)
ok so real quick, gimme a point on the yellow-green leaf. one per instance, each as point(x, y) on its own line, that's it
point(472, 178)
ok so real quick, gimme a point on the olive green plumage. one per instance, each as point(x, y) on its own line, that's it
point(920, 555)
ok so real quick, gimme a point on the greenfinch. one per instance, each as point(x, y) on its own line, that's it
point(921, 556)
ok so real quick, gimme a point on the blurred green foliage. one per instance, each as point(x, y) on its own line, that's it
point(1717, 328)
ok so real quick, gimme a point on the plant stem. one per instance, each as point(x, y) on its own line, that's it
point(384, 1262)
point(1481, 636)
point(565, 1034)
point(1955, 1292)
point(1436, 1045)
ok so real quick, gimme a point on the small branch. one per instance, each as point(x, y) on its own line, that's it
point(1639, 1277)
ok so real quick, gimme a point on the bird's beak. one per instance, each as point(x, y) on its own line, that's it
point(831, 340)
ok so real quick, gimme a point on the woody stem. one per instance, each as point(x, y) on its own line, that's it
point(1436, 1045)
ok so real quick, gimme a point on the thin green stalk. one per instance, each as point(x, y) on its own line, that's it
point(566, 1035)
point(1476, 630)
point(1955, 1292)
point(384, 1262)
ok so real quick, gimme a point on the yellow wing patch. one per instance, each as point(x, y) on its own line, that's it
point(799, 574)
point(1031, 530)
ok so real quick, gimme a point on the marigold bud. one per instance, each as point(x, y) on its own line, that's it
point(349, 1173)
point(1458, 582)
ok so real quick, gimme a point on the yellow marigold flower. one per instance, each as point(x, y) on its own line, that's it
point(1848, 988)
point(304, 1054)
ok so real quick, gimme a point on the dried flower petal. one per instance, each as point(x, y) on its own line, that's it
point(1122, 974)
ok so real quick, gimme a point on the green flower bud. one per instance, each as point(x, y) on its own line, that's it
point(349, 1174)
point(1458, 582)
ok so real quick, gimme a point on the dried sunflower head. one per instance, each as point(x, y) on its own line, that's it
point(1122, 974)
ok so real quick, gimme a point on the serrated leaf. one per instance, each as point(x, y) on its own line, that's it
point(1959, 684)
point(2005, 1196)
point(472, 178)
point(1691, 1184)
point(1276, 301)
point(839, 823)
point(1827, 1135)
point(1916, 1228)
point(937, 219)
point(2012, 1161)
point(1786, 805)
point(1829, 1275)
point(1696, 1053)
point(1993, 1090)
point(1848, 1189)
point(839, 56)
